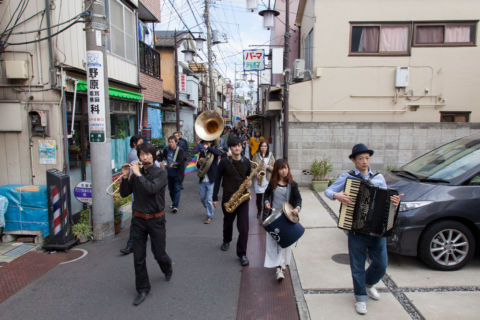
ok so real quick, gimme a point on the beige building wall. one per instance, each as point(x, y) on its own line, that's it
point(361, 89)
point(19, 155)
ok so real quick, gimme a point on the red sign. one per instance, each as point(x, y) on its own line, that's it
point(183, 83)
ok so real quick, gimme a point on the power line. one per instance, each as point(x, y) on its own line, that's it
point(45, 38)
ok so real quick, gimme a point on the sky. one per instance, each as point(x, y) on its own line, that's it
point(237, 27)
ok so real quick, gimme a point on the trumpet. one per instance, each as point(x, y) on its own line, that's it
point(110, 190)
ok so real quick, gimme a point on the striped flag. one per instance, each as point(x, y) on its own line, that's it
point(192, 165)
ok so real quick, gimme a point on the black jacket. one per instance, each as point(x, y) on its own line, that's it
point(295, 197)
point(180, 162)
point(148, 190)
point(212, 172)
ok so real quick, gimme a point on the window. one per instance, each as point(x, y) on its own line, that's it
point(437, 34)
point(308, 47)
point(380, 39)
point(122, 30)
point(455, 116)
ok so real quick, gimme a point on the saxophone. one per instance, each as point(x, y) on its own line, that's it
point(261, 174)
point(240, 195)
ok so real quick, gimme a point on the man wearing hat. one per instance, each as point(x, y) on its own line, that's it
point(360, 244)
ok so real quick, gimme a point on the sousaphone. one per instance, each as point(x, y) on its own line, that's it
point(208, 127)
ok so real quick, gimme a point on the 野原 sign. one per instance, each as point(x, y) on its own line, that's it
point(96, 96)
point(254, 60)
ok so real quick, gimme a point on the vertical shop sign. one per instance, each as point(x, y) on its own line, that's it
point(96, 96)
point(183, 83)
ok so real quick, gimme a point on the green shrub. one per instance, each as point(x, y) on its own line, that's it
point(320, 169)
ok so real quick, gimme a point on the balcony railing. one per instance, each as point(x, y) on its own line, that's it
point(149, 60)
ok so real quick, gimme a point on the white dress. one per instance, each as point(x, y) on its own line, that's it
point(276, 256)
point(263, 187)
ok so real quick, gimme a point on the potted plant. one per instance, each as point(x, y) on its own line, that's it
point(118, 203)
point(83, 232)
point(319, 170)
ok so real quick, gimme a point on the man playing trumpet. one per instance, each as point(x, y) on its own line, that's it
point(148, 187)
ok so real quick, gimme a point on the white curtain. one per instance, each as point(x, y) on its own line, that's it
point(457, 34)
point(394, 39)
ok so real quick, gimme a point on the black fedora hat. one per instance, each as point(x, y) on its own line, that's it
point(358, 149)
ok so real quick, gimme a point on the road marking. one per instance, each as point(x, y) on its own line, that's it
point(84, 254)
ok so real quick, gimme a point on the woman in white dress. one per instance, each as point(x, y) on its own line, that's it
point(266, 159)
point(281, 188)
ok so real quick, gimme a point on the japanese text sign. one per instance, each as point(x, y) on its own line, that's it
point(183, 83)
point(96, 96)
point(254, 60)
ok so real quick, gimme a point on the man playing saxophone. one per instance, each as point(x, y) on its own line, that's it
point(232, 171)
point(207, 165)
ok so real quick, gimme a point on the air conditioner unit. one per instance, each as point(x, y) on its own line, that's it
point(299, 69)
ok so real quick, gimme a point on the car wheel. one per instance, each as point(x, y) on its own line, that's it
point(446, 245)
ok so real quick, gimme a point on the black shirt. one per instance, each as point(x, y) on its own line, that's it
point(148, 190)
point(233, 173)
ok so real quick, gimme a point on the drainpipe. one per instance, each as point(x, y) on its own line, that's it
point(53, 83)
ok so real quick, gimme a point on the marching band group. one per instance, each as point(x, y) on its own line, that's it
point(278, 202)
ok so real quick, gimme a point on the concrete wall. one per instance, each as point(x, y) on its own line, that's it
point(394, 144)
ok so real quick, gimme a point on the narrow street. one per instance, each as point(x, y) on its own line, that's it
point(205, 282)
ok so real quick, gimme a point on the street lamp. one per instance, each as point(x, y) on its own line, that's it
point(252, 5)
point(268, 16)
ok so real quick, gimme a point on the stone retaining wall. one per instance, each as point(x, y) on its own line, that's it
point(394, 143)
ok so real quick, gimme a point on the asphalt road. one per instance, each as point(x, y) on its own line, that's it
point(205, 282)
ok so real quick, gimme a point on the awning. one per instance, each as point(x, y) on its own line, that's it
point(113, 92)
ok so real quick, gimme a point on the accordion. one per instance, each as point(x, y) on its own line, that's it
point(371, 211)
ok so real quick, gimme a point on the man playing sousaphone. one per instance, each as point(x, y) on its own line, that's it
point(207, 165)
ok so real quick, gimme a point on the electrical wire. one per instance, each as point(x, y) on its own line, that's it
point(45, 38)
point(54, 26)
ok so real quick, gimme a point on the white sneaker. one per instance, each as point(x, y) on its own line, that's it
point(280, 275)
point(373, 293)
point(361, 307)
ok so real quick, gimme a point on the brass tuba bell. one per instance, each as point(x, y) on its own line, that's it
point(209, 125)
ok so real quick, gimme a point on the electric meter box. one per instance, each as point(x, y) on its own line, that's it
point(401, 77)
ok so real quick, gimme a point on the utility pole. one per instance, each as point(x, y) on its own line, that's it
point(286, 74)
point(209, 50)
point(234, 97)
point(99, 120)
point(177, 99)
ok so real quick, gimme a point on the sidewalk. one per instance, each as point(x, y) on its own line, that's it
point(409, 290)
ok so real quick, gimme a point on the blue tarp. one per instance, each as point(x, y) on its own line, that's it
point(155, 122)
point(27, 210)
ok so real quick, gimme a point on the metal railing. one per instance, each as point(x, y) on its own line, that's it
point(149, 60)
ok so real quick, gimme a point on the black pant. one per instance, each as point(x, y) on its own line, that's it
point(259, 202)
point(141, 230)
point(242, 226)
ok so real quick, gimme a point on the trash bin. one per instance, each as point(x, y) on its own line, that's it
point(3, 209)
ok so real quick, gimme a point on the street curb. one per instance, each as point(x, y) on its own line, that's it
point(302, 307)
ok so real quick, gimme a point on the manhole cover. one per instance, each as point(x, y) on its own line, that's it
point(341, 258)
point(21, 249)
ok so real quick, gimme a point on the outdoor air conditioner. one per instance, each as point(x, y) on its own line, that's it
point(299, 69)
